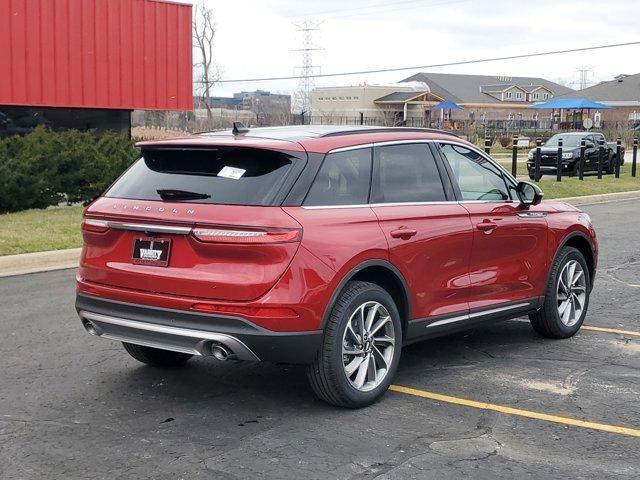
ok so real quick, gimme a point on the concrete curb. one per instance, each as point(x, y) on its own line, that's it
point(39, 262)
point(61, 259)
point(601, 198)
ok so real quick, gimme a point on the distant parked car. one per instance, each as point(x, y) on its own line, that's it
point(571, 154)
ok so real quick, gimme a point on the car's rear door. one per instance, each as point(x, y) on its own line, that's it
point(509, 258)
point(429, 235)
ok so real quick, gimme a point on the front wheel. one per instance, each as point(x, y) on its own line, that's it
point(360, 349)
point(575, 170)
point(566, 297)
point(611, 167)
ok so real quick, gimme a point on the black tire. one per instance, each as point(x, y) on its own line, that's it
point(326, 374)
point(546, 321)
point(575, 171)
point(611, 167)
point(155, 356)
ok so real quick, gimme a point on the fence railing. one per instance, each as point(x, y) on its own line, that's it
point(604, 156)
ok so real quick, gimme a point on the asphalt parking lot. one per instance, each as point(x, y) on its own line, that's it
point(74, 406)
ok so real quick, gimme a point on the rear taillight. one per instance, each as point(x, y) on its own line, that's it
point(93, 225)
point(260, 312)
point(246, 236)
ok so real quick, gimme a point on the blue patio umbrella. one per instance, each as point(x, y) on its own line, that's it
point(570, 103)
point(447, 105)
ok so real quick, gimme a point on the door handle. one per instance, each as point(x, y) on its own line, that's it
point(403, 233)
point(487, 226)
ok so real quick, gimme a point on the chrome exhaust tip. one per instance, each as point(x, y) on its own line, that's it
point(89, 327)
point(220, 352)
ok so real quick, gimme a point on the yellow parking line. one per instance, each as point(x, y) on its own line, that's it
point(611, 330)
point(634, 432)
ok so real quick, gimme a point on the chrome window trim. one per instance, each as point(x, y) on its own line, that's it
point(348, 149)
point(380, 144)
point(402, 204)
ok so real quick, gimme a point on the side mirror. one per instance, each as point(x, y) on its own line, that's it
point(528, 193)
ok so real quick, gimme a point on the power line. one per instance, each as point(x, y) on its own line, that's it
point(419, 67)
point(368, 7)
point(390, 10)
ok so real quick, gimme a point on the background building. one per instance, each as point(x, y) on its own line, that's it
point(491, 100)
point(485, 99)
point(390, 104)
point(622, 93)
point(91, 62)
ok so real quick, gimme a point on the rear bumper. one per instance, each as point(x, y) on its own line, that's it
point(193, 333)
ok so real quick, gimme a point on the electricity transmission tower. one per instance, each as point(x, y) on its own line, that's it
point(307, 70)
point(585, 73)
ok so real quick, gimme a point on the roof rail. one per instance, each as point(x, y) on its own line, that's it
point(387, 129)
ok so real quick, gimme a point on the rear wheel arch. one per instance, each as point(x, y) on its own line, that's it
point(381, 273)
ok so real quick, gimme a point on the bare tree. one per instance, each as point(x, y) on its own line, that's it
point(207, 72)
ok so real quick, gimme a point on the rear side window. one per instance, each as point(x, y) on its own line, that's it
point(233, 176)
point(343, 179)
point(405, 174)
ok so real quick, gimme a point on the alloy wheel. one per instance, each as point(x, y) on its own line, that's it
point(368, 344)
point(571, 293)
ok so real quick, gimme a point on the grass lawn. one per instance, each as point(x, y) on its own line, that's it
point(573, 187)
point(40, 230)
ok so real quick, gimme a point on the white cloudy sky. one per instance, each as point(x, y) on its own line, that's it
point(256, 38)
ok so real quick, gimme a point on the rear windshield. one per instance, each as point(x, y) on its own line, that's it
point(235, 176)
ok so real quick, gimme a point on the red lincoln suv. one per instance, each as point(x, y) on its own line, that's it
point(326, 246)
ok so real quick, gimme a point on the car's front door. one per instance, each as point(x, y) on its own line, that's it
point(591, 154)
point(508, 263)
point(429, 235)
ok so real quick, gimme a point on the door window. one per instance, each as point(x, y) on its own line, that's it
point(343, 179)
point(406, 174)
point(476, 176)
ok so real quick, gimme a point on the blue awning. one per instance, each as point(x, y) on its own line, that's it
point(447, 105)
point(570, 103)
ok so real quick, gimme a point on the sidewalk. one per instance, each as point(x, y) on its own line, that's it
point(38, 262)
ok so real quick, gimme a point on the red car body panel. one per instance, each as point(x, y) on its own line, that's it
point(201, 270)
point(510, 261)
point(452, 264)
point(435, 261)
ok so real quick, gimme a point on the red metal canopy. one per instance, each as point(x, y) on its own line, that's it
point(121, 54)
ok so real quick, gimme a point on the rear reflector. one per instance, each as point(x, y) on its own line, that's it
point(93, 225)
point(230, 235)
point(260, 312)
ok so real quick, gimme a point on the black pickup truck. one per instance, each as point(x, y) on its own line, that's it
point(571, 154)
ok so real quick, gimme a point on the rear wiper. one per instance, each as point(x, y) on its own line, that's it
point(181, 195)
